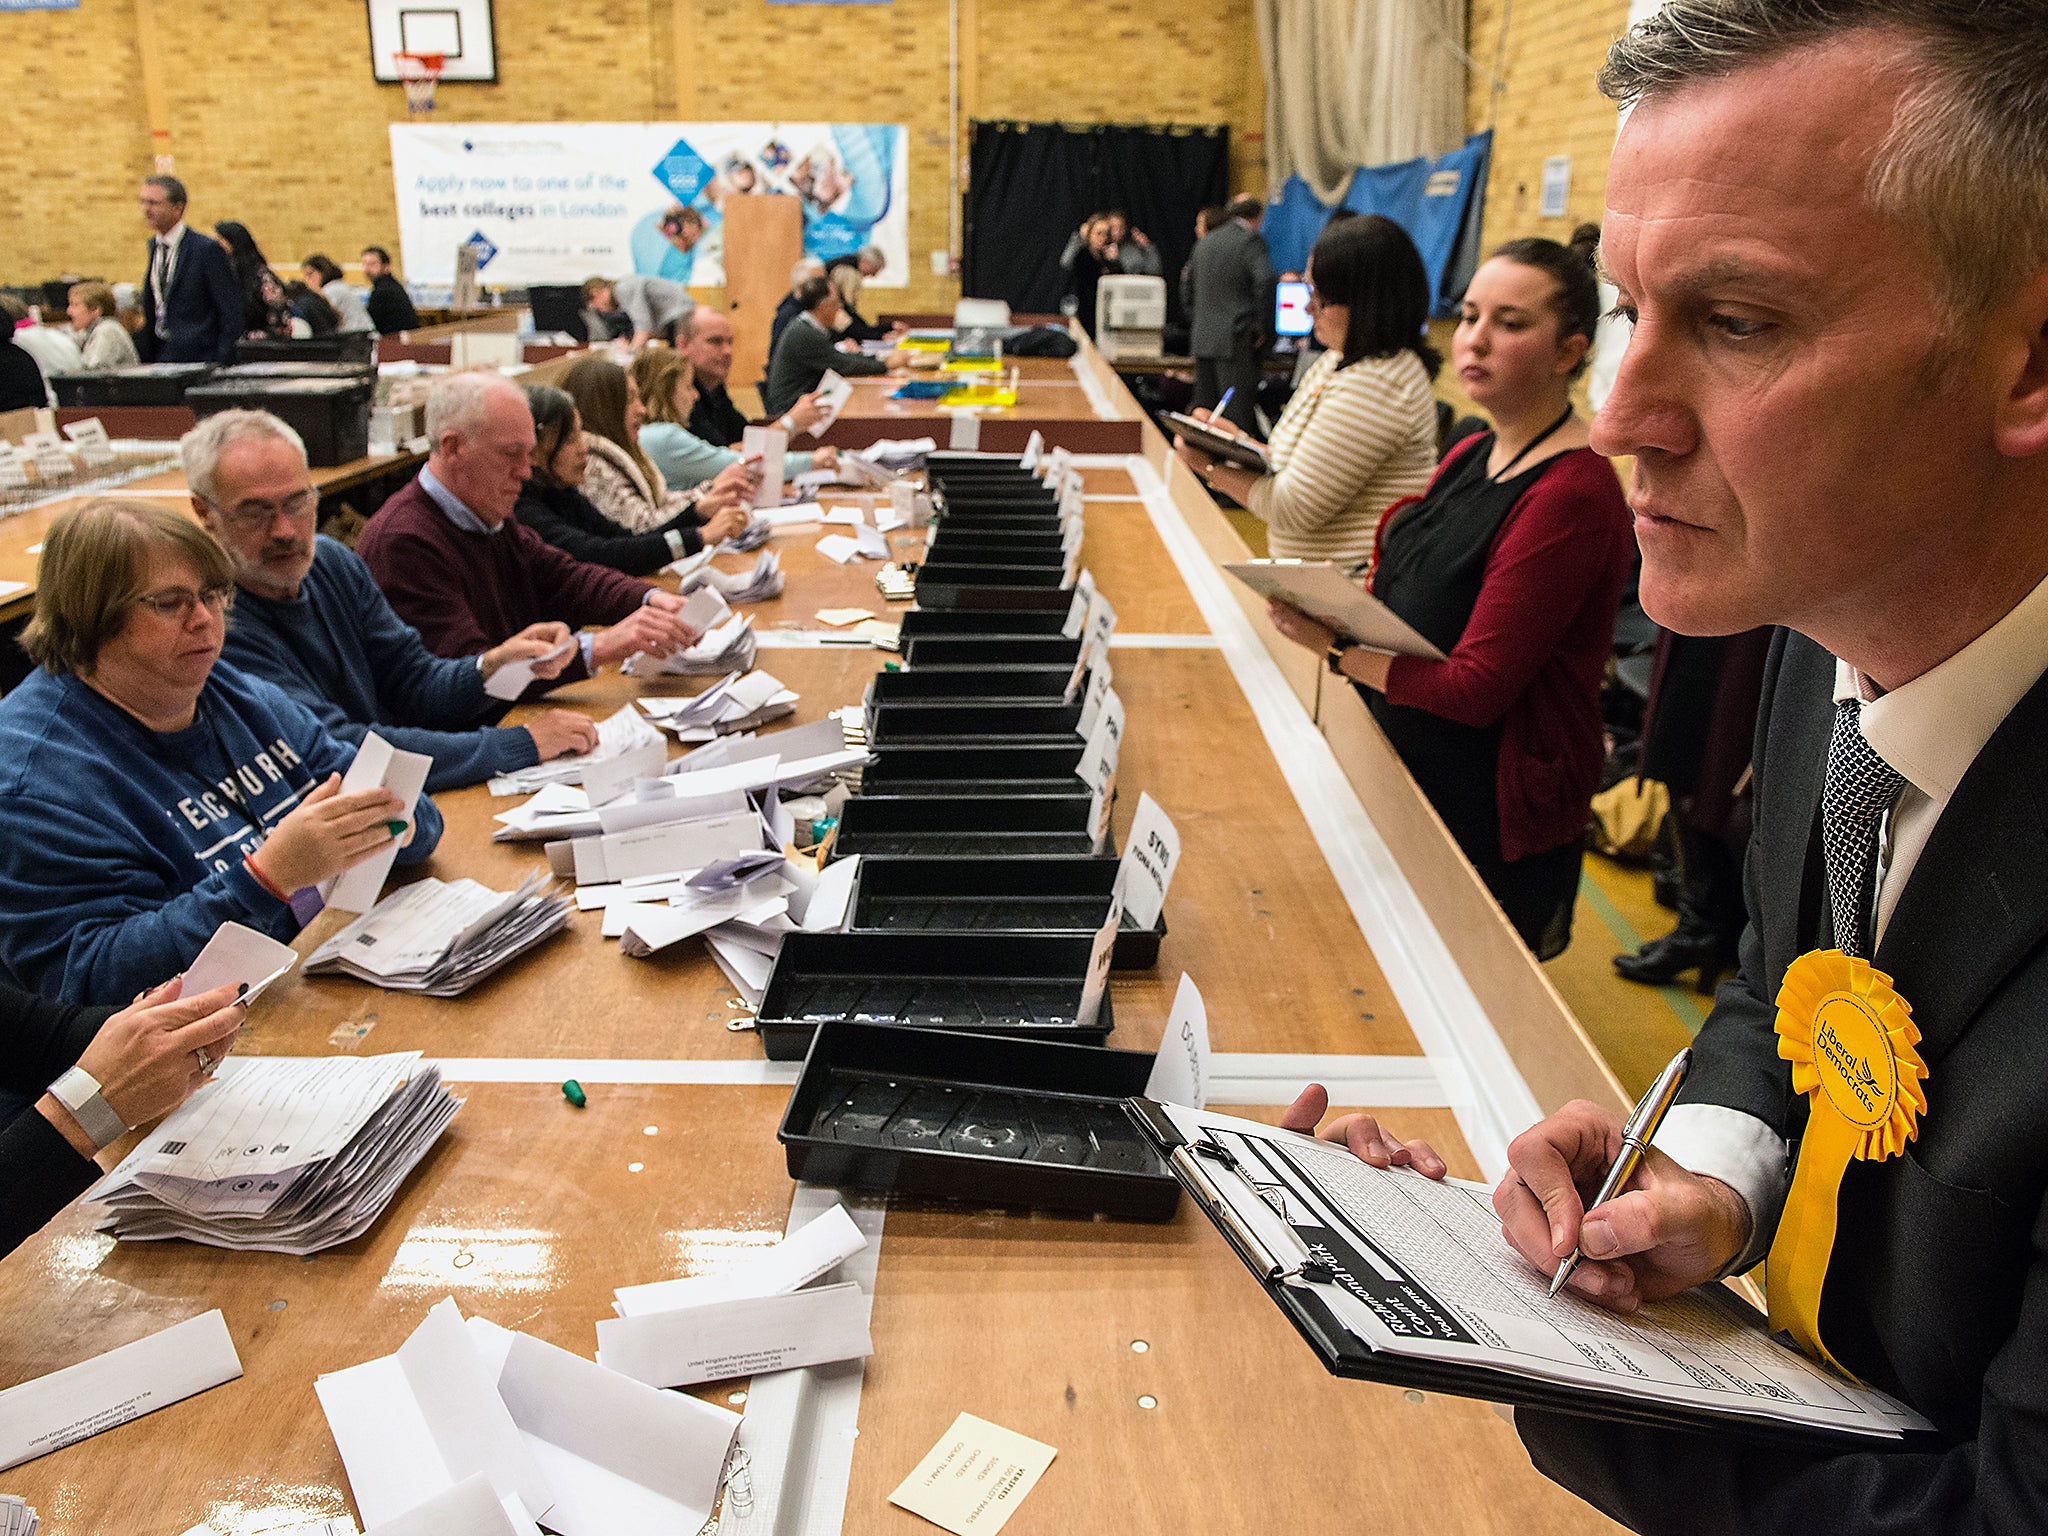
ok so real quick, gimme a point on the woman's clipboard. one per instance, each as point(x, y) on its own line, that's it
point(1323, 592)
point(1241, 451)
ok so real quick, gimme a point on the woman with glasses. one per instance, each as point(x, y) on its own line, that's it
point(1360, 432)
point(148, 793)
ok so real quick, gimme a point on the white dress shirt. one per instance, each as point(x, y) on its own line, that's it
point(1931, 730)
point(160, 275)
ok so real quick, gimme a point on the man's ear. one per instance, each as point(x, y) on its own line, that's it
point(2021, 421)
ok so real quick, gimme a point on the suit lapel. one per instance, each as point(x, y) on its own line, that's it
point(1798, 764)
point(1976, 903)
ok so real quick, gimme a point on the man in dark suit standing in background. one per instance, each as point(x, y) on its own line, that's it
point(1826, 221)
point(191, 303)
point(1229, 297)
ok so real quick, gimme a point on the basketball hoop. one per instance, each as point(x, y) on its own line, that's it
point(420, 73)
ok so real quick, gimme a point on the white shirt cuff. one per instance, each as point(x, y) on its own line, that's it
point(675, 546)
point(1743, 1153)
point(587, 643)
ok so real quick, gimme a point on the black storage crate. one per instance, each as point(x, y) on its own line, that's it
point(1051, 720)
point(972, 769)
point(919, 623)
point(357, 347)
point(996, 650)
point(954, 585)
point(1026, 985)
point(331, 414)
point(143, 384)
point(984, 683)
point(966, 827)
point(1024, 895)
point(976, 1118)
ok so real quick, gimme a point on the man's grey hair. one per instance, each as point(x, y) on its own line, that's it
point(172, 188)
point(872, 253)
point(200, 450)
point(806, 268)
point(1965, 163)
point(458, 402)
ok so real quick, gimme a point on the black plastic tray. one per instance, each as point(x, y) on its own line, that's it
point(996, 650)
point(975, 1117)
point(966, 827)
point(975, 544)
point(920, 623)
point(973, 768)
point(138, 384)
point(1023, 985)
point(982, 683)
point(1053, 721)
point(944, 592)
point(1024, 895)
point(997, 514)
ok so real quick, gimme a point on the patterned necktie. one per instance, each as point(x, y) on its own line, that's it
point(1859, 790)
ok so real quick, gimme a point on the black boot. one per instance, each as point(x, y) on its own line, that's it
point(1680, 950)
point(1709, 920)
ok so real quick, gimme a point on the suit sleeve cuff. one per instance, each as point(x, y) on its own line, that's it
point(1743, 1153)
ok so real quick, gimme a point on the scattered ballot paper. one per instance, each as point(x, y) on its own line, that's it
point(281, 1154)
point(18, 1517)
point(377, 765)
point(742, 1337)
point(974, 1478)
point(617, 735)
point(756, 585)
point(838, 548)
point(833, 394)
point(838, 617)
point(112, 1389)
point(809, 1253)
point(238, 955)
point(516, 676)
point(770, 445)
point(440, 938)
point(467, 1508)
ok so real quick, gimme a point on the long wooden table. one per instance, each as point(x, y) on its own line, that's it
point(1141, 1351)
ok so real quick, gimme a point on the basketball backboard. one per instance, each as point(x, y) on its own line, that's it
point(459, 30)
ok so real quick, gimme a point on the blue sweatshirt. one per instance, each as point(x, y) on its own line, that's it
point(339, 650)
point(121, 847)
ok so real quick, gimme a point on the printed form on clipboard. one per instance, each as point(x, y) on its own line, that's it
point(1398, 1278)
point(1323, 592)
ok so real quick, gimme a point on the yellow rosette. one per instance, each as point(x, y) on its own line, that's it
point(1854, 1050)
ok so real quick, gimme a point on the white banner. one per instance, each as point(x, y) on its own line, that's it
point(559, 202)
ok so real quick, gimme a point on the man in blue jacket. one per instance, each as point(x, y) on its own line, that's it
point(191, 303)
point(309, 618)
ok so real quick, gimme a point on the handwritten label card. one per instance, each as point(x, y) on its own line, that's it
point(1150, 857)
point(974, 1477)
point(1180, 1072)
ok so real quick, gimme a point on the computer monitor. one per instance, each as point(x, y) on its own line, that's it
point(1290, 310)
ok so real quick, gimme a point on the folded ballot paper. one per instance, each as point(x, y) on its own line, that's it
point(578, 1448)
point(739, 701)
point(764, 1314)
point(377, 765)
point(756, 585)
point(17, 1517)
point(625, 736)
point(281, 1154)
point(728, 645)
point(441, 937)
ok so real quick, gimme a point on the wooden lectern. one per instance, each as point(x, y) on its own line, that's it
point(764, 238)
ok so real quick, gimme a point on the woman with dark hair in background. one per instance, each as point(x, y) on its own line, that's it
point(1512, 564)
point(264, 311)
point(324, 277)
point(1360, 432)
point(307, 304)
point(553, 505)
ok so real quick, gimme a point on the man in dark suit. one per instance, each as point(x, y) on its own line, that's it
point(806, 350)
point(1826, 222)
point(389, 304)
point(191, 304)
point(1229, 297)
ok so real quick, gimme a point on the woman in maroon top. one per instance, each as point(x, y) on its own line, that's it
point(1512, 563)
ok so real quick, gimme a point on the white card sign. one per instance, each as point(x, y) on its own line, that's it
point(1098, 967)
point(1034, 445)
point(770, 445)
point(1150, 857)
point(1180, 1072)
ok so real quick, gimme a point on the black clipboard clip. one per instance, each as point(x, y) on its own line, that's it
point(1190, 1159)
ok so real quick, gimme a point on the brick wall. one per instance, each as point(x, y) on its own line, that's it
point(276, 121)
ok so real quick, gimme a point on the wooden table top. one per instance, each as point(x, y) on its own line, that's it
point(529, 1211)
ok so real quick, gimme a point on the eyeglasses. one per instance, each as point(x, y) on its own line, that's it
point(247, 516)
point(178, 602)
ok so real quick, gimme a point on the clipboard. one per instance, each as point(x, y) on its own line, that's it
point(1323, 592)
point(1241, 451)
point(1203, 1169)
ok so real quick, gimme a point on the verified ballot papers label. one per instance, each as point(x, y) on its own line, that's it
point(974, 1477)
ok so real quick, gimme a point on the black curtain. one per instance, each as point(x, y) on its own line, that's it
point(1029, 186)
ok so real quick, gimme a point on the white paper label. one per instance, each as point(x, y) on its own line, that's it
point(1098, 966)
point(1150, 857)
point(1077, 611)
point(769, 445)
point(1034, 445)
point(966, 432)
point(1180, 1072)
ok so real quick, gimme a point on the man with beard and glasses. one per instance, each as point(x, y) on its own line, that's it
point(310, 619)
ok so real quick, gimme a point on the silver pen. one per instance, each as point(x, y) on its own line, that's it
point(1635, 1140)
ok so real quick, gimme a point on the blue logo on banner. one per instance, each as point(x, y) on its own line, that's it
point(683, 171)
point(484, 249)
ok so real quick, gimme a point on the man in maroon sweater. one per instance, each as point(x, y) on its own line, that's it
point(458, 567)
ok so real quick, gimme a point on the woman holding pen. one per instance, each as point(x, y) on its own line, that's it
point(1513, 564)
point(1360, 432)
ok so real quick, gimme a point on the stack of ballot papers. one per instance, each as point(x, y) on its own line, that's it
point(283, 1154)
point(16, 1518)
point(440, 938)
point(466, 1415)
point(739, 701)
point(727, 646)
point(765, 1314)
point(754, 586)
point(750, 538)
point(895, 453)
point(622, 739)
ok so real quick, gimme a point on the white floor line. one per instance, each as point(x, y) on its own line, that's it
point(1408, 1082)
point(555, 1069)
point(1162, 642)
point(1484, 1088)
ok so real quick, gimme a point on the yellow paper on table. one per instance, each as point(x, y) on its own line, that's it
point(974, 1477)
point(841, 616)
point(926, 343)
point(980, 394)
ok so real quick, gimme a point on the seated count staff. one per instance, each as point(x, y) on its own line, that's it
point(456, 565)
point(705, 342)
point(75, 1079)
point(621, 481)
point(668, 386)
point(150, 792)
point(1805, 199)
point(806, 349)
point(309, 618)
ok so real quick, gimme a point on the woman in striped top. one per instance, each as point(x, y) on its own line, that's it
point(1360, 432)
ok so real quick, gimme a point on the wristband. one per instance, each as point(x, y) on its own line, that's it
point(79, 1092)
point(256, 873)
point(675, 545)
point(783, 424)
point(1334, 656)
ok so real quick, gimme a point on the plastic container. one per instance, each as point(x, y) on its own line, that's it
point(919, 623)
point(973, 769)
point(357, 347)
point(331, 414)
point(988, 683)
point(143, 384)
point(975, 1118)
point(1052, 721)
point(995, 650)
point(1021, 895)
point(967, 827)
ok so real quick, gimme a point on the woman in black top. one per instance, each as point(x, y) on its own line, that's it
point(143, 1061)
point(553, 506)
point(264, 311)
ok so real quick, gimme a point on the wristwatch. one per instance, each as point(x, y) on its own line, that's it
point(79, 1091)
point(1334, 656)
